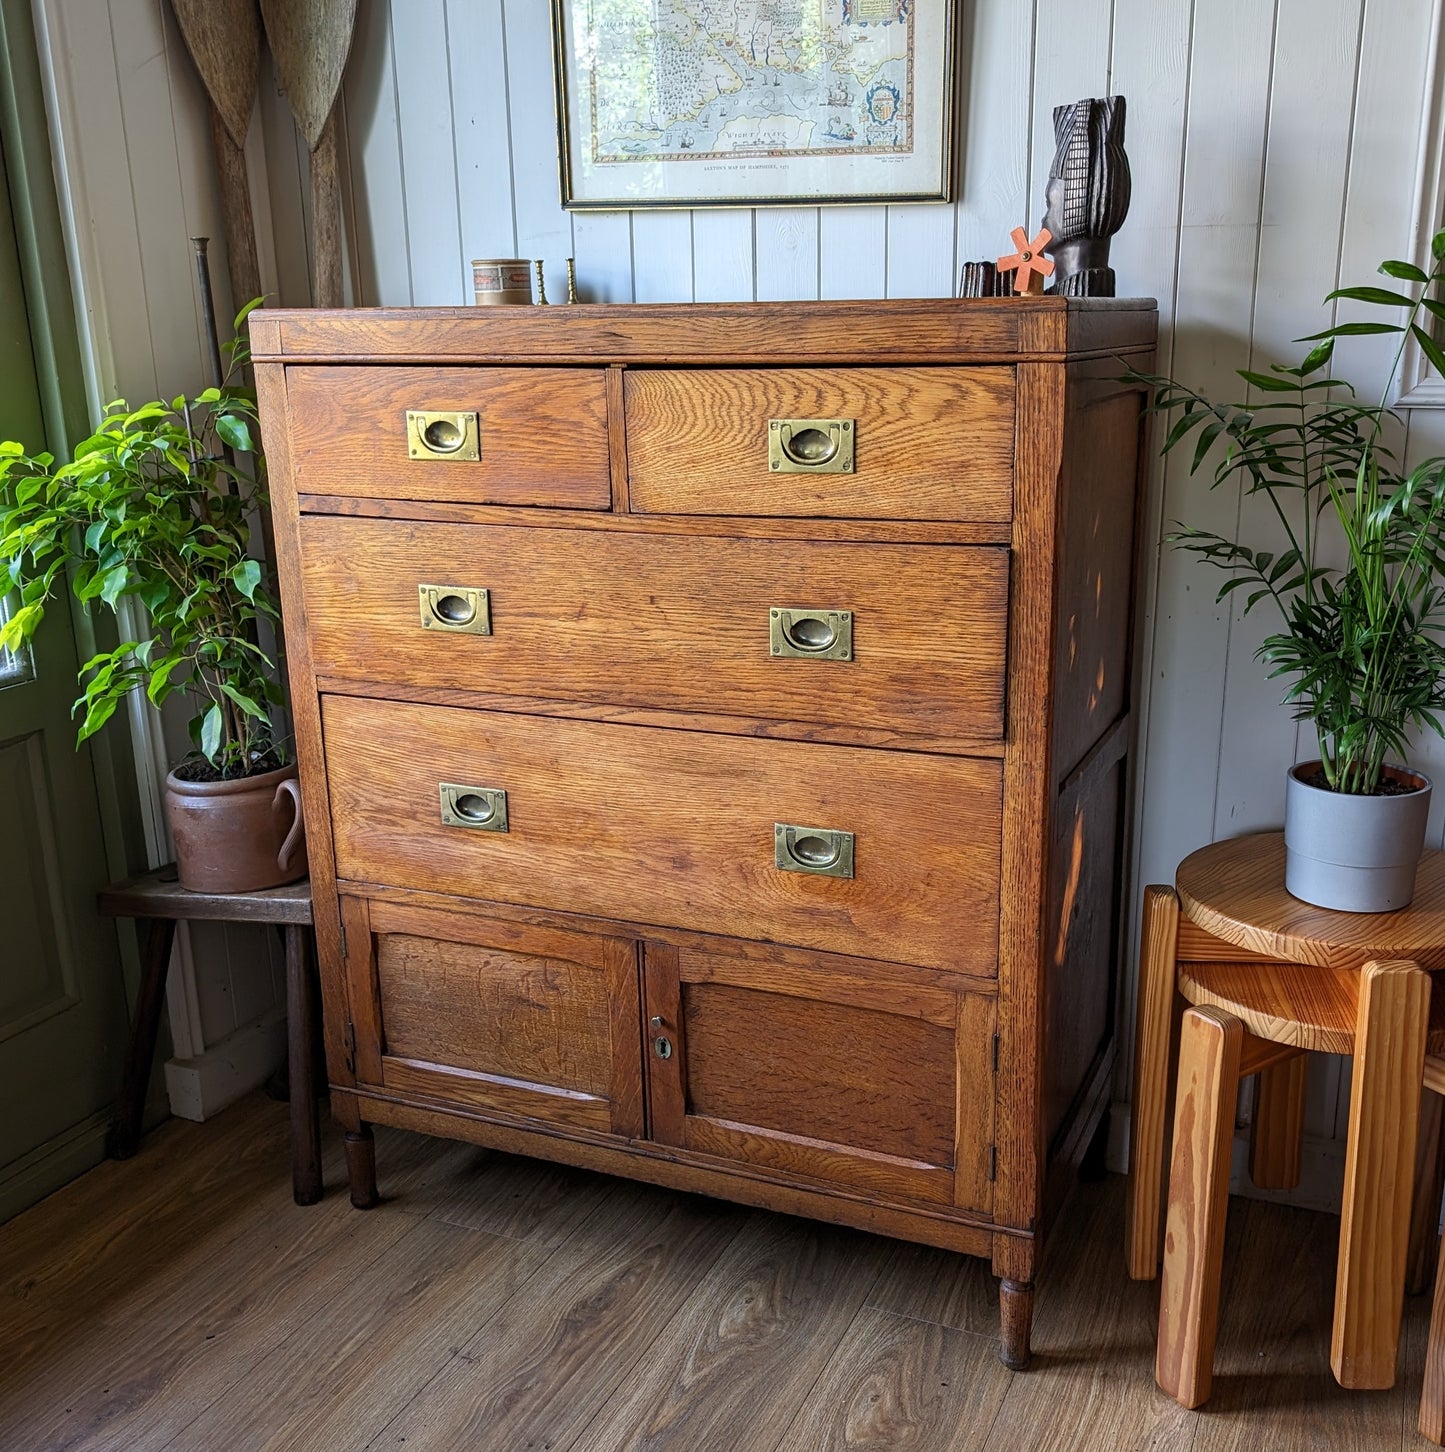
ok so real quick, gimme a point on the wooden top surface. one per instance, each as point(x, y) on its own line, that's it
point(1293, 1003)
point(158, 895)
point(902, 330)
point(1235, 890)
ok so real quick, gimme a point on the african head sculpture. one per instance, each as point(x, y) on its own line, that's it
point(1088, 194)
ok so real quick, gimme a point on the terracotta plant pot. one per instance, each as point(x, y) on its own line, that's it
point(237, 836)
point(1357, 854)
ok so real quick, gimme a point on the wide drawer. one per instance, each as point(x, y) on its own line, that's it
point(927, 443)
point(661, 621)
point(539, 435)
point(676, 828)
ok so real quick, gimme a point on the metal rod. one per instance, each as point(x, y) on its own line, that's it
point(208, 309)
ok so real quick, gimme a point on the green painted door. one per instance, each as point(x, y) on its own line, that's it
point(62, 997)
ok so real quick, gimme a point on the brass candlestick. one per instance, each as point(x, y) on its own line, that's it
point(541, 286)
point(571, 279)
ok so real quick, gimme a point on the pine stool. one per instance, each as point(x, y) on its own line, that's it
point(1269, 978)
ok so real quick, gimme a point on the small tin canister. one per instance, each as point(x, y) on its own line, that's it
point(502, 280)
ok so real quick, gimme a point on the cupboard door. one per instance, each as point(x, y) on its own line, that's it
point(503, 1018)
point(884, 1085)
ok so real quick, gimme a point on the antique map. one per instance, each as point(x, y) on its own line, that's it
point(698, 80)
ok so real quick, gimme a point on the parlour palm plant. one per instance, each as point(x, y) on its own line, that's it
point(1359, 642)
point(156, 506)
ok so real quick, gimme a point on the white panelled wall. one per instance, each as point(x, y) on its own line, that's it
point(1274, 147)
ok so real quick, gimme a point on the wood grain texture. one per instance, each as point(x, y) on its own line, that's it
point(932, 443)
point(1096, 565)
point(1431, 1422)
point(673, 827)
point(1276, 1132)
point(1154, 1028)
point(1289, 1003)
point(753, 1337)
point(310, 40)
point(1209, 1047)
point(827, 1071)
point(272, 402)
point(157, 894)
point(1424, 1254)
point(739, 1180)
point(223, 38)
point(927, 330)
point(542, 434)
point(1394, 1006)
point(673, 624)
point(546, 1363)
point(1235, 891)
point(117, 1289)
point(897, 1383)
point(885, 531)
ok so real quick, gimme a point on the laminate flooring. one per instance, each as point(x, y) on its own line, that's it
point(179, 1300)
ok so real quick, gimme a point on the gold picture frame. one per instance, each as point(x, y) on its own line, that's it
point(853, 104)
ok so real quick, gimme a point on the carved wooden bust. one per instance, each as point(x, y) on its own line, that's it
point(1088, 194)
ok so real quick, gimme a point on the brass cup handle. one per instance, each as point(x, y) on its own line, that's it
point(461, 609)
point(823, 851)
point(816, 634)
point(443, 434)
point(811, 445)
point(482, 809)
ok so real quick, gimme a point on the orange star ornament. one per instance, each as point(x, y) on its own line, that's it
point(1028, 265)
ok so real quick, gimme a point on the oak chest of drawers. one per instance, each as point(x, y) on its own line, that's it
point(714, 729)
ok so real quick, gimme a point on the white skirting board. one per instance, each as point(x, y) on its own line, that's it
point(1322, 1166)
point(204, 1085)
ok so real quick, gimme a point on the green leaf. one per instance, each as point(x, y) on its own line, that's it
point(232, 428)
point(1269, 382)
point(1352, 330)
point(1405, 271)
point(246, 577)
point(113, 584)
point(211, 733)
point(1379, 296)
point(1430, 348)
point(1317, 357)
point(96, 716)
point(21, 626)
point(1437, 247)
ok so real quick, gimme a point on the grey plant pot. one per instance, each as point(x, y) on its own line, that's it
point(1356, 854)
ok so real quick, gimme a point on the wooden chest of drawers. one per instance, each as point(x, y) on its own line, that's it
point(714, 727)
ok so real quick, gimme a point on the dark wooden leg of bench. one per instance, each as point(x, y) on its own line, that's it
point(141, 1051)
point(361, 1167)
point(305, 1123)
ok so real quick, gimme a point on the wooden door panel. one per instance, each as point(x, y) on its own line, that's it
point(818, 1077)
point(523, 1021)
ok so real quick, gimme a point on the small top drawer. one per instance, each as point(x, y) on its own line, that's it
point(525, 435)
point(925, 443)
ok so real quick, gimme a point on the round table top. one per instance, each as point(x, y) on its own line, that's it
point(1235, 890)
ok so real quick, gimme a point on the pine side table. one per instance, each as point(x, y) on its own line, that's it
point(1224, 936)
point(159, 900)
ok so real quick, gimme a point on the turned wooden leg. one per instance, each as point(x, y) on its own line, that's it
point(1152, 1033)
point(361, 1167)
point(1210, 1043)
point(1016, 1318)
point(1432, 1396)
point(1420, 1261)
point(300, 1036)
point(141, 1050)
point(1277, 1135)
point(1390, 1026)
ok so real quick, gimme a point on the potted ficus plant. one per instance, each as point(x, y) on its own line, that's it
point(1357, 586)
point(157, 506)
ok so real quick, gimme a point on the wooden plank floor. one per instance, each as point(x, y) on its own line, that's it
point(180, 1300)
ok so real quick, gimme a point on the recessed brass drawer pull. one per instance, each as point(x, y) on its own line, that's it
point(813, 634)
point(458, 608)
point(443, 435)
point(820, 850)
point(810, 445)
point(483, 809)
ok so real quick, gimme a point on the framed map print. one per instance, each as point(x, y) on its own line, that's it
point(692, 103)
